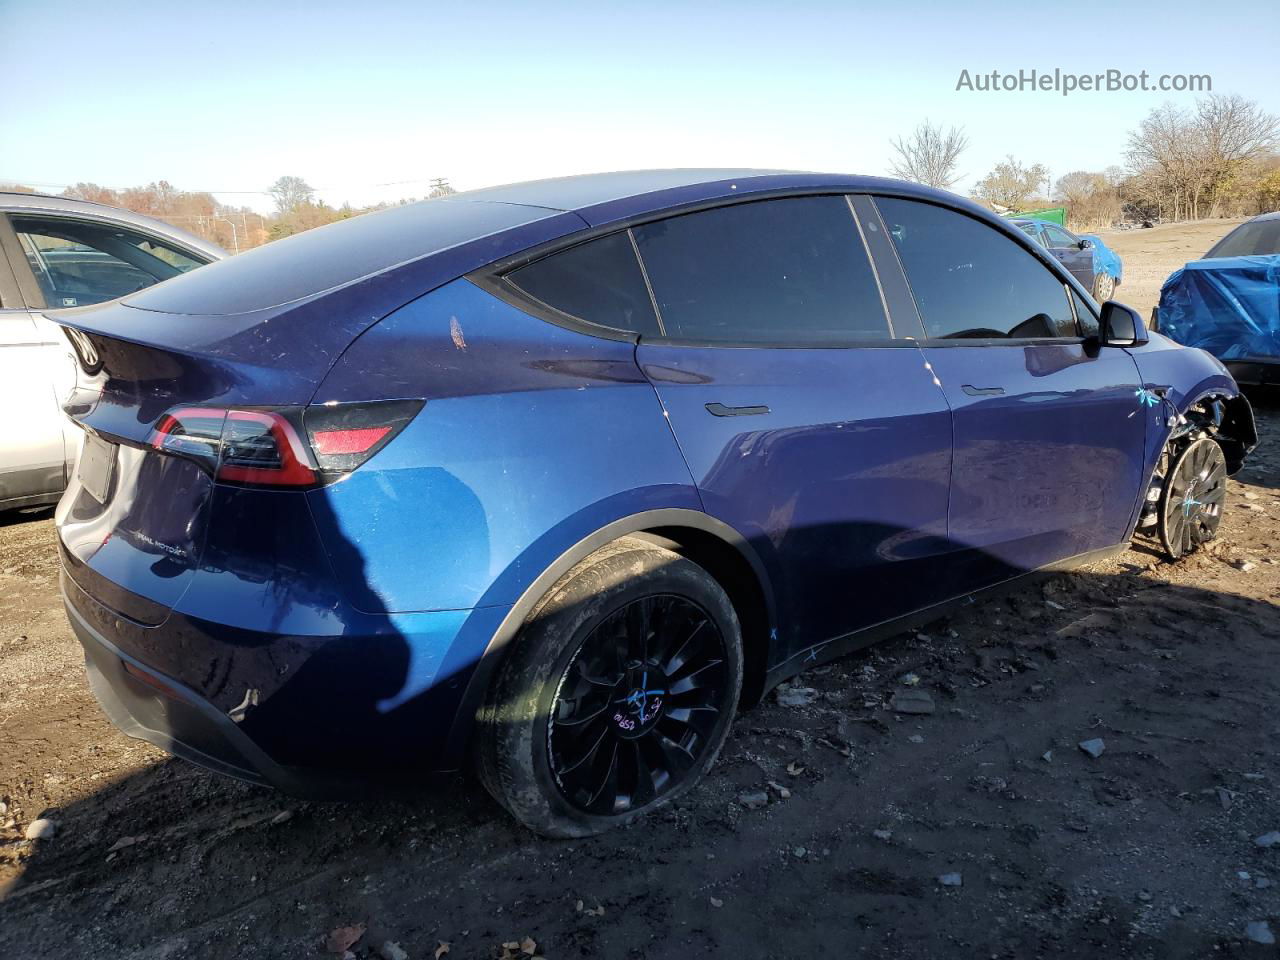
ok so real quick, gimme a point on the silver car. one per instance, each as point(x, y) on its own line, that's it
point(57, 253)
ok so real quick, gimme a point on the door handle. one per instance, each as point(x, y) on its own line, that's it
point(973, 391)
point(720, 410)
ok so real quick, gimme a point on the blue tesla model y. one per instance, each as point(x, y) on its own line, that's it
point(555, 477)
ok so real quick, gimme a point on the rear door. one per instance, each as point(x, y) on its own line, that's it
point(809, 424)
point(1049, 429)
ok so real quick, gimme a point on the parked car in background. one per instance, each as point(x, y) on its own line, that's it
point(1229, 302)
point(556, 475)
point(57, 253)
point(1092, 262)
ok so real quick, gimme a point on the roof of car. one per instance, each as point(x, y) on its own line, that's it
point(588, 190)
point(36, 203)
point(599, 198)
point(323, 287)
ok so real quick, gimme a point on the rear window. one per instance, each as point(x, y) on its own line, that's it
point(774, 271)
point(317, 260)
point(598, 281)
point(1259, 238)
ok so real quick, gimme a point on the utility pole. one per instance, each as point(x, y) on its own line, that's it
point(235, 237)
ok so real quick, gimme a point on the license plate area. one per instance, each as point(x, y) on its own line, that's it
point(94, 469)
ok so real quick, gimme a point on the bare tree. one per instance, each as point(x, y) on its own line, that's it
point(440, 187)
point(1234, 133)
point(1184, 164)
point(929, 155)
point(289, 193)
point(92, 191)
point(1092, 199)
point(1010, 185)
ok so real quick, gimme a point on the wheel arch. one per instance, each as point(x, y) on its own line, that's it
point(1237, 432)
point(709, 542)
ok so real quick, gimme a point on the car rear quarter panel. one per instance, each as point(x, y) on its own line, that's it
point(532, 438)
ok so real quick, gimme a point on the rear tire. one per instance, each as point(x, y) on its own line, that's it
point(617, 695)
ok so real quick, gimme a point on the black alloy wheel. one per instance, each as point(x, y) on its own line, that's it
point(638, 705)
point(617, 694)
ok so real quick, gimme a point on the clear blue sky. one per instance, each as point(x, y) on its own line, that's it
point(357, 98)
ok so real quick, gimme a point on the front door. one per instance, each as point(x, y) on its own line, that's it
point(1049, 429)
point(807, 423)
point(1067, 250)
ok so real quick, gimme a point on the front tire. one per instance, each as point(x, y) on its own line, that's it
point(617, 696)
point(1193, 498)
point(1104, 287)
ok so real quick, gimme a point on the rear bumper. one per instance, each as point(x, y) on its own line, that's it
point(163, 712)
point(312, 715)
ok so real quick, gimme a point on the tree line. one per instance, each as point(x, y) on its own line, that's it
point(1219, 158)
point(231, 227)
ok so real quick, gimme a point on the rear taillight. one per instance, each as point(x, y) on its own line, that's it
point(265, 447)
point(345, 435)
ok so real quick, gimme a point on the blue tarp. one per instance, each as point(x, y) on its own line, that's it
point(1105, 260)
point(1230, 306)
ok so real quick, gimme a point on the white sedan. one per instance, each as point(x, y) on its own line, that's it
point(57, 253)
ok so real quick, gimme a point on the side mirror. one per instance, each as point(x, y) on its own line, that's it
point(1085, 244)
point(1121, 326)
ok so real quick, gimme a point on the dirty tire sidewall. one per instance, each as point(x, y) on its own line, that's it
point(1104, 287)
point(513, 752)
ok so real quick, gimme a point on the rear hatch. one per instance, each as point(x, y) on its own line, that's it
point(133, 522)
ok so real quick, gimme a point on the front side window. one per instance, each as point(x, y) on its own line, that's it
point(1085, 315)
point(76, 262)
point(971, 281)
point(598, 281)
point(788, 271)
point(1057, 237)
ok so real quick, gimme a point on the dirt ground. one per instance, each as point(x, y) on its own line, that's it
point(1149, 850)
point(1151, 255)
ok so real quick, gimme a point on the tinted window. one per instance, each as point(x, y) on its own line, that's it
point(775, 271)
point(76, 262)
point(313, 261)
point(1030, 230)
point(1085, 314)
point(598, 281)
point(1059, 238)
point(969, 280)
point(1258, 238)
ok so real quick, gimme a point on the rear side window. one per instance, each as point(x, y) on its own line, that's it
point(971, 281)
point(598, 281)
point(789, 271)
